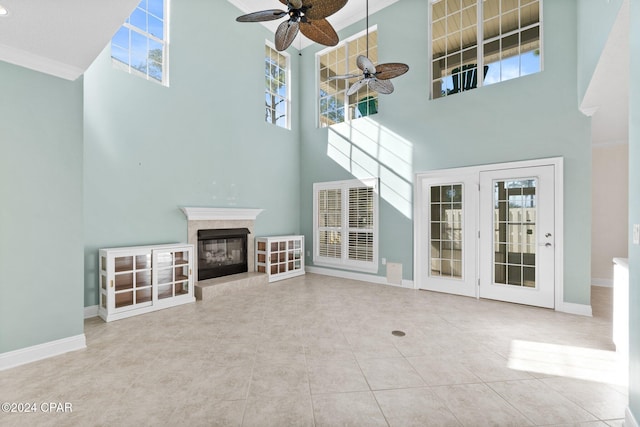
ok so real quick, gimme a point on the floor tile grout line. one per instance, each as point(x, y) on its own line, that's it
point(306, 362)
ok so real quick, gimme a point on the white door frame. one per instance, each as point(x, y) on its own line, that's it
point(419, 231)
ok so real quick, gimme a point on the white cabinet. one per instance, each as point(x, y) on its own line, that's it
point(280, 257)
point(139, 279)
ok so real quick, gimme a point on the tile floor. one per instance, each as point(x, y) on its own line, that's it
point(318, 351)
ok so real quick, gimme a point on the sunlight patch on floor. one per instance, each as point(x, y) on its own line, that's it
point(569, 361)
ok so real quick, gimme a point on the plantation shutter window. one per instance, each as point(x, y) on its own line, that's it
point(361, 224)
point(346, 224)
point(330, 223)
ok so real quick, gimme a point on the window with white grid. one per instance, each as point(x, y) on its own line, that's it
point(480, 42)
point(334, 104)
point(276, 69)
point(346, 224)
point(140, 46)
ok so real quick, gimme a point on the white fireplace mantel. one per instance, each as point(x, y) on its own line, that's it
point(218, 214)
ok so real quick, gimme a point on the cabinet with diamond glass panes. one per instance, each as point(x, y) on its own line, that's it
point(140, 279)
point(280, 257)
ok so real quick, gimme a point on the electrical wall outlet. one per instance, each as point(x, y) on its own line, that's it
point(636, 234)
point(384, 261)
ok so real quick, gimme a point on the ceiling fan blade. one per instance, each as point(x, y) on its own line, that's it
point(381, 86)
point(285, 34)
point(320, 31)
point(295, 4)
point(390, 70)
point(356, 86)
point(263, 15)
point(319, 9)
point(344, 77)
point(365, 63)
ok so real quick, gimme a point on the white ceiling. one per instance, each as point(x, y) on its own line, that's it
point(352, 12)
point(61, 37)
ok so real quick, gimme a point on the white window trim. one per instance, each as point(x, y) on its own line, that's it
point(344, 262)
point(288, 73)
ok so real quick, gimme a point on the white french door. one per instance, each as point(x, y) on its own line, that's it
point(449, 221)
point(517, 235)
point(490, 232)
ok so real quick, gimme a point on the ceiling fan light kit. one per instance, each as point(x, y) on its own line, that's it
point(305, 16)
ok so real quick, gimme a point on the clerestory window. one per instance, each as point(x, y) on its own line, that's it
point(140, 46)
point(334, 104)
point(480, 42)
point(277, 98)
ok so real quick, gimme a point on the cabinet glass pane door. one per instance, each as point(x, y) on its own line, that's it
point(295, 255)
point(132, 281)
point(172, 269)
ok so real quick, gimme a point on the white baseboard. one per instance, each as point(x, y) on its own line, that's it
point(605, 283)
point(629, 419)
point(571, 308)
point(91, 311)
point(357, 276)
point(22, 356)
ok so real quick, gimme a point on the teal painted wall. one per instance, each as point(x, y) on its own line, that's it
point(200, 142)
point(634, 212)
point(41, 232)
point(595, 20)
point(531, 117)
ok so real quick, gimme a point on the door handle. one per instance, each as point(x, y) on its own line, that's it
point(547, 235)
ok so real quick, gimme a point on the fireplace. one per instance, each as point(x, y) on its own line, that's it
point(202, 218)
point(222, 252)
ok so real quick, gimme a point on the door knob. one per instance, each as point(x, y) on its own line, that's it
point(547, 245)
point(547, 235)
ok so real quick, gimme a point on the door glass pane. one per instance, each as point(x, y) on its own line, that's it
point(514, 232)
point(446, 231)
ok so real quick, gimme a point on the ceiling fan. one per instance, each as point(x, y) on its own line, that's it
point(306, 16)
point(376, 77)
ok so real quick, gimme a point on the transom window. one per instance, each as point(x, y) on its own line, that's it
point(276, 69)
point(505, 45)
point(346, 224)
point(334, 104)
point(140, 45)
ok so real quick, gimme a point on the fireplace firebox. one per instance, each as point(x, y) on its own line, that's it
point(222, 252)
